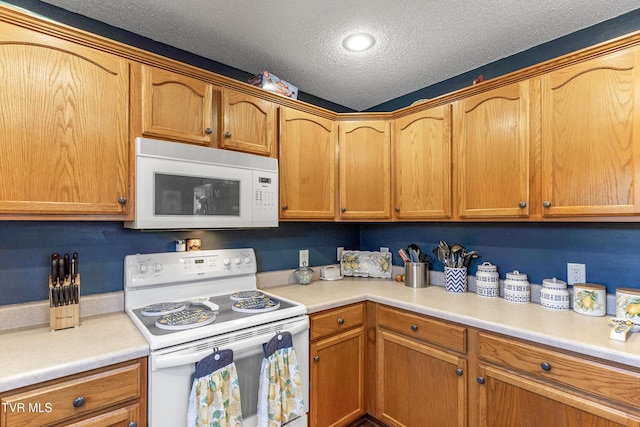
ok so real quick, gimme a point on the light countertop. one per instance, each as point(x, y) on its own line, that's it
point(34, 354)
point(567, 330)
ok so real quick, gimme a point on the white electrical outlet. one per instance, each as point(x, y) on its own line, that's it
point(304, 257)
point(339, 252)
point(576, 273)
point(384, 249)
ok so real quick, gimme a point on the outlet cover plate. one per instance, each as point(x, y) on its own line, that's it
point(576, 273)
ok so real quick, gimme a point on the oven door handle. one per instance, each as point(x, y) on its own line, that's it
point(240, 348)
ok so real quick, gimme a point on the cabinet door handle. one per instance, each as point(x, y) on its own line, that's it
point(340, 321)
point(208, 131)
point(285, 207)
point(522, 205)
point(546, 204)
point(227, 134)
point(397, 208)
point(316, 359)
point(122, 200)
point(414, 327)
point(459, 372)
point(480, 380)
point(79, 402)
point(545, 366)
point(132, 424)
point(343, 210)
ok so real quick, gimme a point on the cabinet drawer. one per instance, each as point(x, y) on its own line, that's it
point(63, 400)
point(332, 321)
point(586, 375)
point(423, 328)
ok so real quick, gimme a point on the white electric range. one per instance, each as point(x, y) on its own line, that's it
point(188, 304)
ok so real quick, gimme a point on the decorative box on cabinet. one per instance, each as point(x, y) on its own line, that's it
point(110, 396)
point(337, 352)
point(308, 166)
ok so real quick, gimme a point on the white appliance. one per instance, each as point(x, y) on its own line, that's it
point(204, 282)
point(182, 186)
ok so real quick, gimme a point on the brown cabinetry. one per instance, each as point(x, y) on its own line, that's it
point(421, 372)
point(308, 166)
point(590, 140)
point(492, 153)
point(422, 165)
point(111, 396)
point(174, 106)
point(519, 381)
point(248, 123)
point(337, 366)
point(63, 128)
point(365, 170)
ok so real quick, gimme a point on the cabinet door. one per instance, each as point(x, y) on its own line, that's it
point(176, 107)
point(63, 127)
point(506, 400)
point(591, 137)
point(422, 165)
point(308, 171)
point(492, 144)
point(249, 123)
point(365, 170)
point(419, 385)
point(337, 379)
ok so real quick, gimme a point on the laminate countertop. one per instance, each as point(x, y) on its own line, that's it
point(566, 330)
point(34, 354)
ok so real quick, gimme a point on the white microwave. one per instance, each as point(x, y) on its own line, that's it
point(181, 186)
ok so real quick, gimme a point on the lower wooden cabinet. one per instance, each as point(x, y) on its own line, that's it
point(526, 385)
point(418, 383)
point(105, 397)
point(337, 366)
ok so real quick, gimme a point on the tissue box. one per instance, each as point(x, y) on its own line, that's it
point(272, 83)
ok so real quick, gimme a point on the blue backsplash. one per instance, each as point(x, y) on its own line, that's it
point(610, 250)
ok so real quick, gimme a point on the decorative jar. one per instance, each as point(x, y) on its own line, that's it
point(487, 281)
point(516, 288)
point(554, 294)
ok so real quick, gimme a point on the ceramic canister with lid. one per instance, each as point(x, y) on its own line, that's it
point(517, 288)
point(487, 281)
point(628, 304)
point(554, 294)
point(589, 299)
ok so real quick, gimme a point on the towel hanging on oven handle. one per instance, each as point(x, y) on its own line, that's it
point(278, 342)
point(213, 362)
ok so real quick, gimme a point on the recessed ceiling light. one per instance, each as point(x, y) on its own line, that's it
point(358, 42)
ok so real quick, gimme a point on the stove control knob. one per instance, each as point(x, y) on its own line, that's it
point(157, 267)
point(247, 259)
point(237, 261)
point(142, 268)
point(226, 262)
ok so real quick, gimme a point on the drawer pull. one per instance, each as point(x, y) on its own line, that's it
point(480, 380)
point(545, 366)
point(340, 321)
point(316, 359)
point(132, 424)
point(208, 131)
point(459, 372)
point(414, 327)
point(79, 402)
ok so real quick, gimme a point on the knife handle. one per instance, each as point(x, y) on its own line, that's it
point(67, 265)
point(61, 272)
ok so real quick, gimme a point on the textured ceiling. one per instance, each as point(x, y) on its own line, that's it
point(419, 43)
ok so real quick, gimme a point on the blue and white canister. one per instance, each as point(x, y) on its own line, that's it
point(517, 288)
point(487, 281)
point(554, 294)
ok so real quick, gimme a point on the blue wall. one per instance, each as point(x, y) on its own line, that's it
point(610, 251)
point(26, 248)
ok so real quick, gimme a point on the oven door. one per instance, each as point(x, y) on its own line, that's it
point(171, 371)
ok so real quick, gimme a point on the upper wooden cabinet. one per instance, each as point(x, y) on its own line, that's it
point(249, 123)
point(365, 170)
point(590, 138)
point(63, 127)
point(422, 165)
point(175, 107)
point(308, 166)
point(491, 140)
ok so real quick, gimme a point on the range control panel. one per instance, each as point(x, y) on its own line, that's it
point(176, 267)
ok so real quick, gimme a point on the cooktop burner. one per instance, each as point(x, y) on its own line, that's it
point(246, 295)
point(186, 319)
point(256, 305)
point(163, 308)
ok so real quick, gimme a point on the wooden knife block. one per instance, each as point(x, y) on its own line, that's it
point(64, 316)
